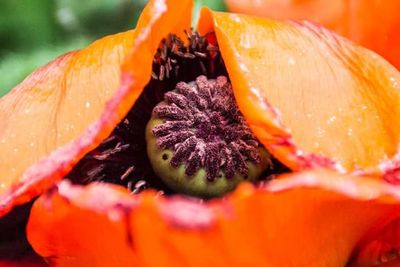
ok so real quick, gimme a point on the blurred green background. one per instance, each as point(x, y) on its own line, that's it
point(33, 32)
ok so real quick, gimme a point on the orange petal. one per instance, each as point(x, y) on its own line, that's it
point(305, 219)
point(380, 245)
point(373, 24)
point(64, 109)
point(311, 97)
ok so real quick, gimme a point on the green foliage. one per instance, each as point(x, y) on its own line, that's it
point(216, 5)
point(33, 32)
point(97, 18)
point(27, 24)
point(14, 67)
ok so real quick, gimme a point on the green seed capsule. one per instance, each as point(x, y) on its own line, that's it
point(198, 142)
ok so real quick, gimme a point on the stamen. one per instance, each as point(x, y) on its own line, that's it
point(121, 158)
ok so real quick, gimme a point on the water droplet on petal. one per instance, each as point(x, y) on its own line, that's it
point(332, 119)
point(236, 18)
point(350, 132)
point(243, 67)
point(394, 82)
point(245, 41)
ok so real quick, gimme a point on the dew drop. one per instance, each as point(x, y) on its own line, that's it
point(87, 104)
point(394, 82)
point(236, 18)
point(292, 61)
point(243, 67)
point(257, 94)
point(69, 127)
point(245, 41)
point(332, 119)
point(350, 132)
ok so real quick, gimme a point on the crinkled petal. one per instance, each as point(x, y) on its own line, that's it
point(66, 108)
point(373, 24)
point(315, 218)
point(311, 97)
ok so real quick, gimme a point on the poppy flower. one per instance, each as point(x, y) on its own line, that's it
point(311, 98)
point(373, 24)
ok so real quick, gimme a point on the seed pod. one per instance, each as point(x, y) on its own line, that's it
point(198, 142)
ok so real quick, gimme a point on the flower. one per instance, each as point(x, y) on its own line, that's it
point(373, 24)
point(313, 99)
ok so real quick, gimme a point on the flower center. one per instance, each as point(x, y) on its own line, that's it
point(210, 125)
point(204, 127)
point(198, 126)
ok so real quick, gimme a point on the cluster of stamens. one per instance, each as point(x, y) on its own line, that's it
point(121, 158)
point(173, 55)
point(205, 129)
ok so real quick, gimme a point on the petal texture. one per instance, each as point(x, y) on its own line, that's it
point(311, 97)
point(65, 109)
point(305, 219)
point(373, 24)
